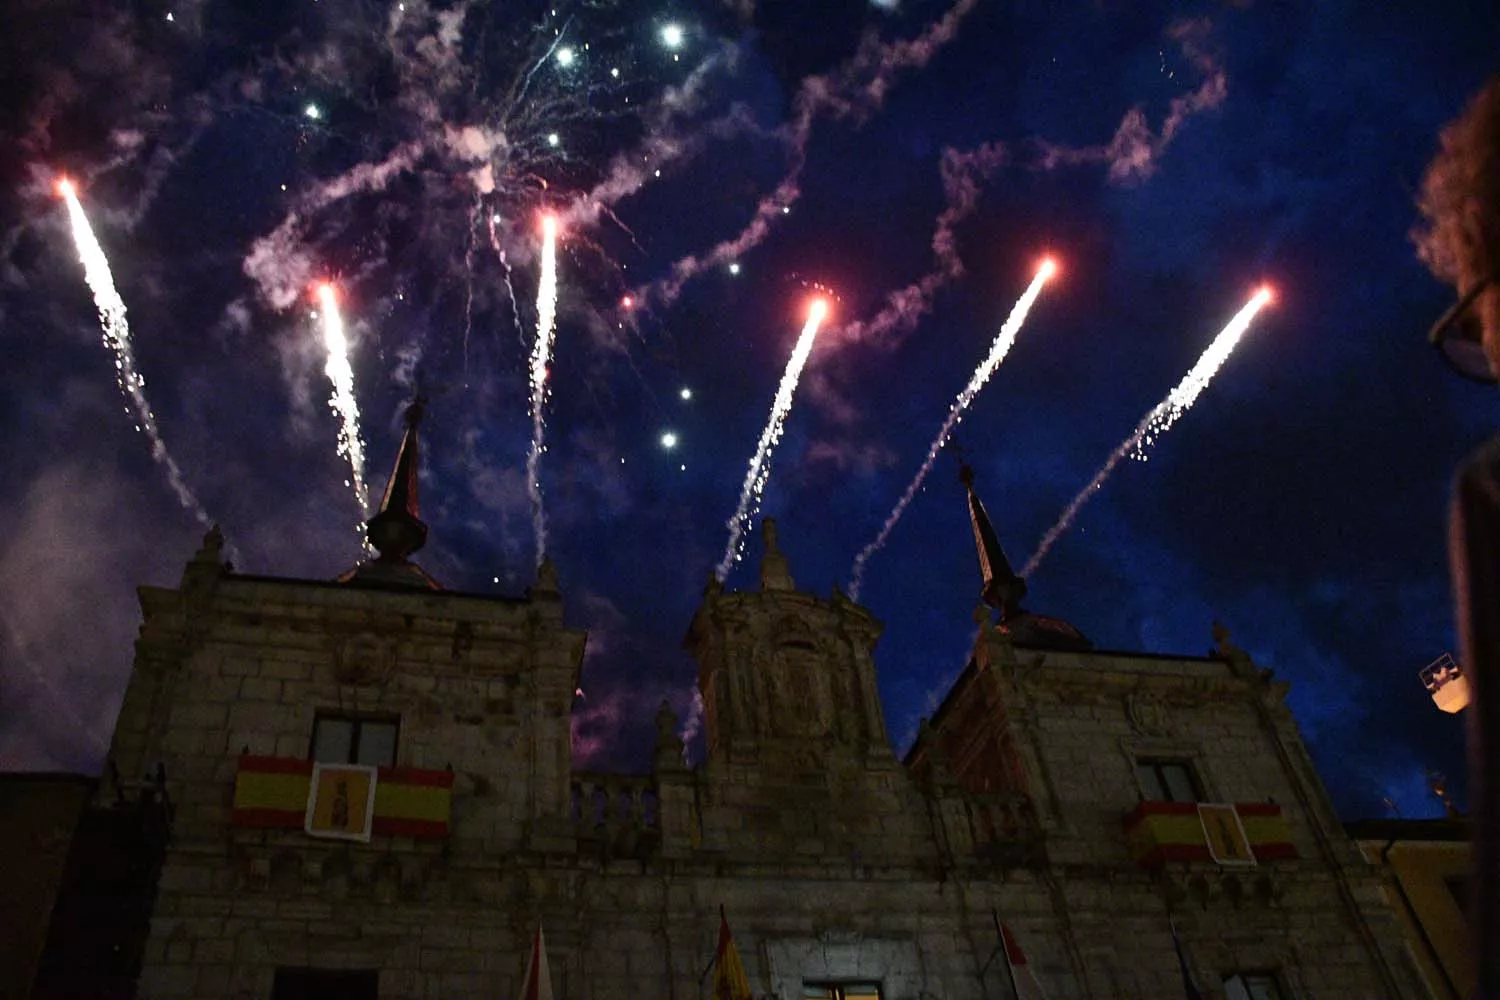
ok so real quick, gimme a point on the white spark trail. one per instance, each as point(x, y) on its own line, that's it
point(998, 351)
point(760, 463)
point(1159, 420)
point(116, 334)
point(541, 358)
point(510, 288)
point(342, 402)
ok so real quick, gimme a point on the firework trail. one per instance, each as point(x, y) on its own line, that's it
point(760, 463)
point(1160, 419)
point(469, 282)
point(342, 402)
point(510, 288)
point(541, 357)
point(998, 350)
point(116, 332)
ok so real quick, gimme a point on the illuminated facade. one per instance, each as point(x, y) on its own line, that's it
point(374, 796)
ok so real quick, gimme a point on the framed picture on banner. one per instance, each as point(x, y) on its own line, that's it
point(341, 802)
point(1225, 834)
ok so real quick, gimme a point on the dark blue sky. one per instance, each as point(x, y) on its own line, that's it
point(1172, 156)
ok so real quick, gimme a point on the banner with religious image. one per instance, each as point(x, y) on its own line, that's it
point(341, 802)
point(1227, 843)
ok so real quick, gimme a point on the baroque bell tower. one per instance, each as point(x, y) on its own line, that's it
point(786, 675)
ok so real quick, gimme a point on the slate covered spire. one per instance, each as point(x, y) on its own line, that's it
point(397, 529)
point(1003, 589)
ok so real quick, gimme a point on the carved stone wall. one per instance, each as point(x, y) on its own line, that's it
point(832, 861)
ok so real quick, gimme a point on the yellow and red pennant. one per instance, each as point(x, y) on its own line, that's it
point(730, 981)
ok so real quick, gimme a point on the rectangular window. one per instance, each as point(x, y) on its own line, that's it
point(352, 739)
point(325, 984)
point(1253, 986)
point(841, 991)
point(1168, 780)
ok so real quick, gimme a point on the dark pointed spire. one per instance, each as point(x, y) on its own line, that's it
point(1002, 588)
point(397, 529)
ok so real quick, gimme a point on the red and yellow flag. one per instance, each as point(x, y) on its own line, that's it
point(409, 802)
point(730, 982)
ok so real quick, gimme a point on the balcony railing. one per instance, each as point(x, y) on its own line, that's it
point(1004, 826)
point(1243, 833)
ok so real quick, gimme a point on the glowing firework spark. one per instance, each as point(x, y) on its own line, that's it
point(760, 463)
point(1160, 419)
point(116, 333)
point(541, 357)
point(998, 350)
point(342, 402)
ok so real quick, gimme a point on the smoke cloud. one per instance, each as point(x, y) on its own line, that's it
point(1134, 151)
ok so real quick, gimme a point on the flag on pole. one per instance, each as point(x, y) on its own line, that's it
point(1022, 977)
point(1188, 989)
point(538, 982)
point(730, 981)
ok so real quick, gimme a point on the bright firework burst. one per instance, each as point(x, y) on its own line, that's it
point(760, 463)
point(116, 332)
point(998, 350)
point(541, 358)
point(1160, 419)
point(342, 402)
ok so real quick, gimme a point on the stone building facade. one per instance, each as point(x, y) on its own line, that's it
point(1038, 796)
point(1426, 868)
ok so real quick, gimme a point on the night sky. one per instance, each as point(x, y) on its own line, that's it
point(911, 159)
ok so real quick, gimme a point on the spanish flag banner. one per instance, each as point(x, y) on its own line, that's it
point(1243, 833)
point(730, 982)
point(271, 792)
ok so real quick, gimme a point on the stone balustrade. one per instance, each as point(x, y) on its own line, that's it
point(1004, 824)
point(620, 811)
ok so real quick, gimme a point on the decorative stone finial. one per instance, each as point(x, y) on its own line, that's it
point(213, 546)
point(668, 743)
point(666, 723)
point(207, 564)
point(1239, 661)
point(546, 577)
point(774, 572)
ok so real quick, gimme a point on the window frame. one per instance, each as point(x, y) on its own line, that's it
point(836, 989)
point(1262, 977)
point(357, 721)
point(1155, 763)
point(295, 982)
